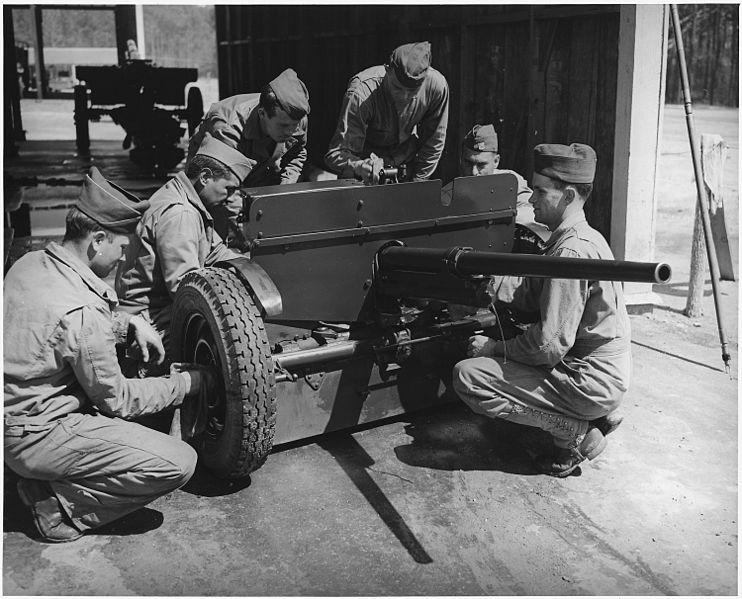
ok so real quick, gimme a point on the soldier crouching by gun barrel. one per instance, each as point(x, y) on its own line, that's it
point(568, 372)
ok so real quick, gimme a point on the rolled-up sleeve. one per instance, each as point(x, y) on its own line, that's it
point(93, 361)
point(431, 131)
point(561, 304)
point(221, 129)
point(346, 145)
point(120, 325)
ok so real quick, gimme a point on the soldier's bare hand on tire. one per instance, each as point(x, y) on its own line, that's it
point(148, 339)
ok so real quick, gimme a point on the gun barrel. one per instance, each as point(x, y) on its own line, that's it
point(467, 262)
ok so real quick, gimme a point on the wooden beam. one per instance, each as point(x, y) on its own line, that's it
point(38, 41)
point(126, 28)
point(642, 61)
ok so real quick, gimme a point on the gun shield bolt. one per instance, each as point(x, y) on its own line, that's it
point(360, 223)
point(260, 234)
point(367, 284)
point(259, 213)
point(360, 204)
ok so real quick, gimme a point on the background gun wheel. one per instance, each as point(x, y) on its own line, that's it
point(215, 321)
point(194, 109)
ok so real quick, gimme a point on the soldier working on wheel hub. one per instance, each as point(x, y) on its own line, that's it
point(67, 405)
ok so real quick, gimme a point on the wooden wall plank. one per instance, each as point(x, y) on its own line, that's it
point(482, 50)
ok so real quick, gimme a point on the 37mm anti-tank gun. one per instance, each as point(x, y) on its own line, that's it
point(342, 314)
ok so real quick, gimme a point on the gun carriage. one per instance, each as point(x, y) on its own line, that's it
point(343, 313)
point(148, 102)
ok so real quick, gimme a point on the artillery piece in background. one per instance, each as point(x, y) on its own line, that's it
point(340, 316)
point(148, 102)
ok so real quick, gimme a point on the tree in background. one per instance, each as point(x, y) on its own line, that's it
point(711, 40)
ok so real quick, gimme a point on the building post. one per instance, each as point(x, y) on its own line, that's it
point(140, 30)
point(38, 41)
point(642, 63)
point(126, 28)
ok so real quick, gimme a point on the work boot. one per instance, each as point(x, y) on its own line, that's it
point(563, 461)
point(52, 523)
point(608, 423)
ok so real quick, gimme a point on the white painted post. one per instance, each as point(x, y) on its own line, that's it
point(139, 16)
point(642, 62)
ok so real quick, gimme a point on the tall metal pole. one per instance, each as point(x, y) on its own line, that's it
point(702, 199)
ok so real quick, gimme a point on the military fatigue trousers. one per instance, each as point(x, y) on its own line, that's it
point(100, 468)
point(560, 400)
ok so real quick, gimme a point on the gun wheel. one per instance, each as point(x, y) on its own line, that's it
point(215, 322)
point(194, 109)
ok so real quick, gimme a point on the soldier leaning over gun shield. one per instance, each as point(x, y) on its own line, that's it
point(269, 128)
point(569, 370)
point(392, 115)
point(176, 234)
point(67, 404)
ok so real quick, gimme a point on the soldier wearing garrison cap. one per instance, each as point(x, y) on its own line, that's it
point(269, 127)
point(65, 394)
point(392, 115)
point(480, 156)
point(568, 372)
point(177, 232)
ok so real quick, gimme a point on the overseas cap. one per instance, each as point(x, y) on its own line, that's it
point(574, 163)
point(233, 159)
point(112, 207)
point(291, 94)
point(410, 63)
point(481, 138)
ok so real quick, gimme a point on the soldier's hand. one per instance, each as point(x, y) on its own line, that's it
point(368, 169)
point(148, 339)
point(480, 346)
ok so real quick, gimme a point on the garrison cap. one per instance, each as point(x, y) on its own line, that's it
point(410, 63)
point(233, 159)
point(291, 94)
point(481, 138)
point(574, 163)
point(112, 207)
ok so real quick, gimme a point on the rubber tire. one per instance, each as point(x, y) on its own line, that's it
point(194, 109)
point(219, 298)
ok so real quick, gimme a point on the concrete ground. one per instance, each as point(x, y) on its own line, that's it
point(444, 502)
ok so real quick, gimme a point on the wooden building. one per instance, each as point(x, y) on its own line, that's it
point(541, 73)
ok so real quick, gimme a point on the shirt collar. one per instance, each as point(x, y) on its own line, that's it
point(567, 224)
point(93, 281)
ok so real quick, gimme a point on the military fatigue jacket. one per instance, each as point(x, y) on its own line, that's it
point(235, 121)
point(579, 318)
point(59, 346)
point(369, 122)
point(175, 236)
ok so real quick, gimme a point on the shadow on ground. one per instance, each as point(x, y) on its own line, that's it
point(457, 439)
point(205, 483)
